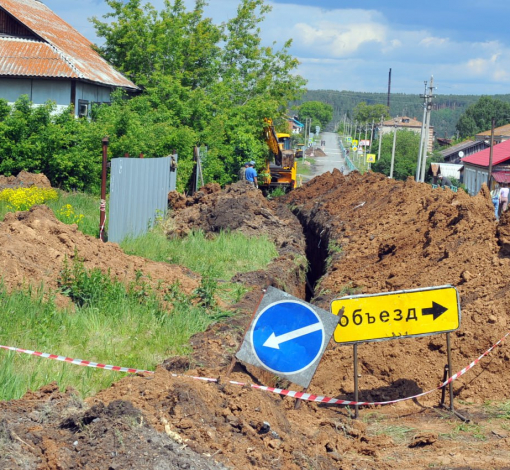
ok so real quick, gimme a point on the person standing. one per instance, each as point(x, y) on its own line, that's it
point(242, 172)
point(251, 174)
point(495, 201)
point(503, 197)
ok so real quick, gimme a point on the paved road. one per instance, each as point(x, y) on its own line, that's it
point(332, 160)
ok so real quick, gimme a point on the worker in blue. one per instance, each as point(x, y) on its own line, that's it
point(251, 174)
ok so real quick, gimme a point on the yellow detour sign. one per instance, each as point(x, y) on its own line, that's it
point(399, 314)
point(370, 157)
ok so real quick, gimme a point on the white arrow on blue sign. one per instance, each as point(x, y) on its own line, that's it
point(288, 336)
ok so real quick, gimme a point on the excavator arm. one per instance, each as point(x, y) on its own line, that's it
point(272, 141)
point(281, 167)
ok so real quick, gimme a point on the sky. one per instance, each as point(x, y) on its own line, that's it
point(464, 45)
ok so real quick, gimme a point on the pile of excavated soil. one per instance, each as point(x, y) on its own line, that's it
point(35, 246)
point(314, 152)
point(242, 208)
point(390, 235)
point(24, 179)
point(380, 235)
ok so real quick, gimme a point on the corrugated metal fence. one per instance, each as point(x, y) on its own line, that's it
point(138, 194)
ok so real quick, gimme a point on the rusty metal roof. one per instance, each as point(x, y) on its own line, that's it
point(62, 52)
point(20, 57)
point(498, 131)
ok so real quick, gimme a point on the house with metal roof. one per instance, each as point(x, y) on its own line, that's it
point(501, 134)
point(45, 58)
point(294, 125)
point(454, 153)
point(450, 170)
point(410, 124)
point(476, 167)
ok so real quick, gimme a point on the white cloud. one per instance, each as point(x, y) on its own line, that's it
point(433, 41)
point(339, 40)
point(348, 48)
point(496, 67)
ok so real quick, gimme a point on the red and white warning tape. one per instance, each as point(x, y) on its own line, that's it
point(79, 362)
point(279, 391)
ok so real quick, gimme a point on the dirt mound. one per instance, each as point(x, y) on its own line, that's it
point(387, 235)
point(35, 245)
point(58, 431)
point(243, 208)
point(314, 152)
point(364, 234)
point(24, 179)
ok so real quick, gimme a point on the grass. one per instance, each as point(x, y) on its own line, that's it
point(82, 204)
point(498, 410)
point(399, 434)
point(304, 166)
point(466, 431)
point(222, 256)
point(110, 323)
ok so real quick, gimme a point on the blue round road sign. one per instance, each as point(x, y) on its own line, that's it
point(287, 337)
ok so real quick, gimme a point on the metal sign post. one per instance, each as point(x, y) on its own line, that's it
point(402, 314)
point(356, 387)
point(447, 375)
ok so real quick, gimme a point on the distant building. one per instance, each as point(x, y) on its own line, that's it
point(410, 124)
point(449, 170)
point(501, 134)
point(295, 126)
point(45, 58)
point(443, 141)
point(476, 167)
point(455, 153)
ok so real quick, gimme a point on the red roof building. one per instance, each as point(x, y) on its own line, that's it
point(476, 167)
point(45, 58)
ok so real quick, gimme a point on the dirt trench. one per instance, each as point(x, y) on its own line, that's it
point(354, 233)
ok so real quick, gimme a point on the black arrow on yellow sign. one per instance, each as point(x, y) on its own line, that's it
point(436, 310)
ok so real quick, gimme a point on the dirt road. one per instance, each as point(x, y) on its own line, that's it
point(333, 159)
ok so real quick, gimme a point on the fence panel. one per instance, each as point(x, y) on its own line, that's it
point(138, 195)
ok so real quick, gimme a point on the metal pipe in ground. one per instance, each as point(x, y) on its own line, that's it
point(102, 207)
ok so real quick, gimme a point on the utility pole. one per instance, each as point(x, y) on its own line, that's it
point(393, 149)
point(389, 90)
point(379, 136)
point(427, 130)
point(371, 136)
point(489, 176)
point(422, 134)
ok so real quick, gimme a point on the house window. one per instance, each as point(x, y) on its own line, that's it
point(83, 108)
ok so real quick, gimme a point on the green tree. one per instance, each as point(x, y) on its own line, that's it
point(364, 113)
point(320, 113)
point(478, 116)
point(406, 154)
point(217, 81)
point(39, 140)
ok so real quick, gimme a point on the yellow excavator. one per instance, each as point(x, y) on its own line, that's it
point(281, 167)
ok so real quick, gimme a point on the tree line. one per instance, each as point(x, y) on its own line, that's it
point(446, 113)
